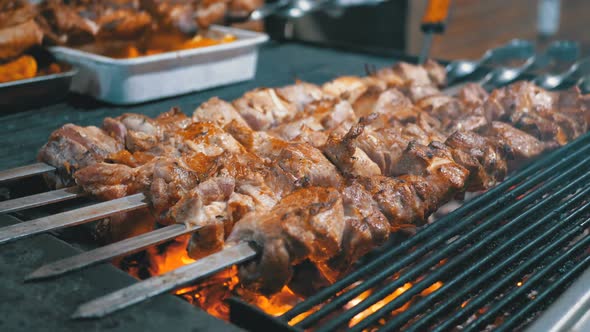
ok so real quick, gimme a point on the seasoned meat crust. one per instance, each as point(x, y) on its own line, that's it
point(316, 177)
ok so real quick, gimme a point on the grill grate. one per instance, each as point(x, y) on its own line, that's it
point(497, 260)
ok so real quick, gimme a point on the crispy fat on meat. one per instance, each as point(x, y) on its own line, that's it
point(306, 224)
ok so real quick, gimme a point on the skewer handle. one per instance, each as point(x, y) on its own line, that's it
point(25, 171)
point(435, 17)
point(49, 197)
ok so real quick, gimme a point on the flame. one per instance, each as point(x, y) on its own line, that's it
point(210, 294)
point(375, 307)
point(174, 256)
point(433, 288)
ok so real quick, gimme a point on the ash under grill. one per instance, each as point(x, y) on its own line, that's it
point(496, 262)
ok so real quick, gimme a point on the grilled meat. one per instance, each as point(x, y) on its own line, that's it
point(18, 29)
point(71, 148)
point(309, 223)
point(277, 188)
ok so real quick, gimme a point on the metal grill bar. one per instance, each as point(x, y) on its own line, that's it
point(25, 171)
point(458, 294)
point(495, 197)
point(530, 307)
point(473, 235)
point(537, 277)
point(49, 197)
point(433, 242)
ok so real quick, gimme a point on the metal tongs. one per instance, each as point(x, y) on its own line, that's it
point(558, 51)
point(578, 74)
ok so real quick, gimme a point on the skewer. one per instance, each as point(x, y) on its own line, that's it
point(25, 171)
point(157, 285)
point(72, 218)
point(102, 254)
point(45, 198)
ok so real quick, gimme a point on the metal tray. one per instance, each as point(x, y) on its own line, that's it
point(137, 80)
point(41, 90)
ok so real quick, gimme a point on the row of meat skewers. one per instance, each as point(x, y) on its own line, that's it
point(315, 174)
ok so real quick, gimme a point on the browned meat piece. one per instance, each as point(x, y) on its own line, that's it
point(485, 159)
point(350, 160)
point(71, 148)
point(366, 228)
point(63, 24)
point(264, 108)
point(205, 206)
point(171, 181)
point(107, 181)
point(535, 111)
point(307, 224)
point(302, 164)
point(445, 108)
point(123, 23)
point(405, 200)
point(391, 102)
point(307, 166)
point(522, 145)
point(416, 91)
point(219, 112)
point(436, 73)
point(176, 14)
point(346, 87)
point(15, 12)
point(415, 74)
point(472, 95)
point(138, 132)
point(301, 94)
point(16, 39)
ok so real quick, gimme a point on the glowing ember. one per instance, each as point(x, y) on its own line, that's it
point(375, 307)
point(173, 257)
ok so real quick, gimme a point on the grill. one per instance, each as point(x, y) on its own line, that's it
point(497, 261)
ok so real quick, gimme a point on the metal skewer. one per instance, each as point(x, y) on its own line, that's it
point(25, 171)
point(116, 249)
point(157, 285)
point(45, 198)
point(73, 217)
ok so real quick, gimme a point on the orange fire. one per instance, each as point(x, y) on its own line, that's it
point(210, 294)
